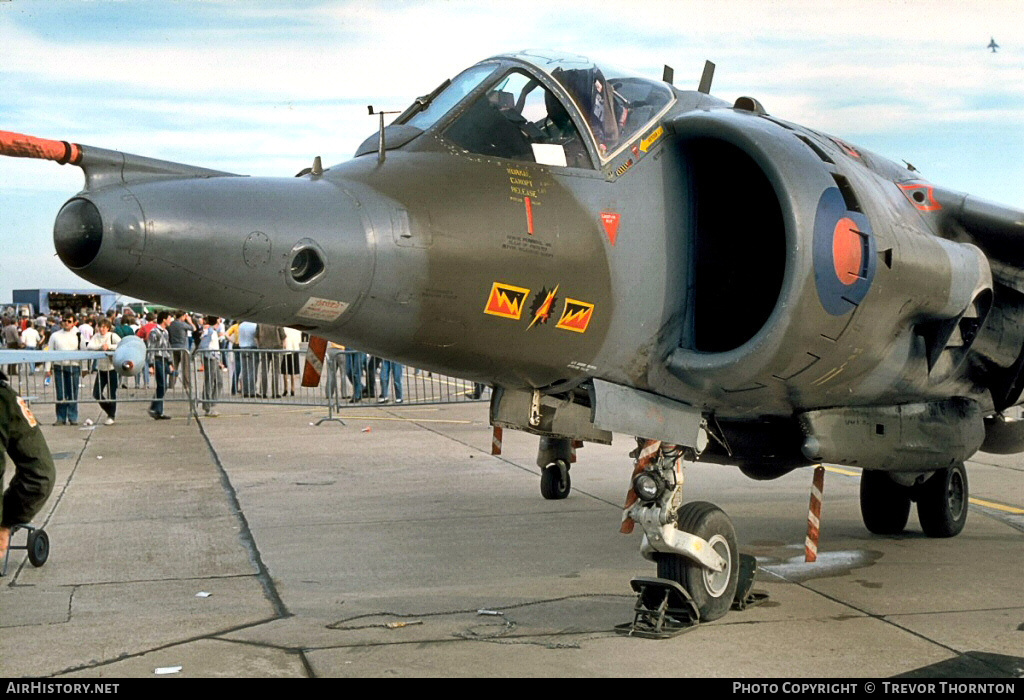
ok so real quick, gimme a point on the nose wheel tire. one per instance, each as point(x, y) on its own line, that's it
point(554, 481)
point(884, 504)
point(712, 591)
point(942, 502)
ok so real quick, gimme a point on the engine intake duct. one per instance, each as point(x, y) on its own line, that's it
point(739, 245)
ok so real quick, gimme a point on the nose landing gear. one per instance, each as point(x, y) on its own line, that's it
point(694, 544)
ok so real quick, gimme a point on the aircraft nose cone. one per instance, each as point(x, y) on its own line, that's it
point(78, 233)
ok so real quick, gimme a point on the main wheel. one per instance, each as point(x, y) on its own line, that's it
point(942, 502)
point(38, 547)
point(884, 504)
point(712, 591)
point(552, 485)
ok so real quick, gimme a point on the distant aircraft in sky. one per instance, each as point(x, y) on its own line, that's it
point(992, 44)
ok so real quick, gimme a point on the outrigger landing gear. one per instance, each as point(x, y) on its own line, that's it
point(941, 501)
point(694, 544)
point(553, 457)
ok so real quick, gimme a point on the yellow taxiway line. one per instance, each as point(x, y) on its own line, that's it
point(997, 506)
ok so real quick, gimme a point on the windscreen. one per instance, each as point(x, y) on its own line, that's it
point(463, 84)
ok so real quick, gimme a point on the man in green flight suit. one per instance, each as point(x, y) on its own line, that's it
point(34, 472)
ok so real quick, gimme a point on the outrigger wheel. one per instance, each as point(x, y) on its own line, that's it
point(712, 591)
point(554, 481)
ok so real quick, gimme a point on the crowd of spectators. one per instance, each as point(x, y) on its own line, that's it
point(176, 340)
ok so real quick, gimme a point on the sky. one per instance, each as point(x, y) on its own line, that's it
point(260, 87)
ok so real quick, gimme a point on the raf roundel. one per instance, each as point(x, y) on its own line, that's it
point(844, 254)
point(847, 251)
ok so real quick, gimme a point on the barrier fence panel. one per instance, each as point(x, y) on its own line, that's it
point(203, 379)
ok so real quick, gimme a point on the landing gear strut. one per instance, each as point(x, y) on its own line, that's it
point(941, 501)
point(694, 544)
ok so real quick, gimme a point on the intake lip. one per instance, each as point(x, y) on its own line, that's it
point(78, 233)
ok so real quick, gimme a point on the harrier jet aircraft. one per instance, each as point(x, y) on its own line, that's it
point(614, 254)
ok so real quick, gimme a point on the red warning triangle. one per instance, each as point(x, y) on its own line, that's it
point(610, 219)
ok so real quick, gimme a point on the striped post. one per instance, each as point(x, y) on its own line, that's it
point(814, 516)
point(576, 444)
point(496, 441)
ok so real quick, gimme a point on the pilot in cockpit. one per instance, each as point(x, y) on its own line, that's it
point(597, 100)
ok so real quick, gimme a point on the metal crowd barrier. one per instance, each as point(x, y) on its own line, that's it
point(250, 376)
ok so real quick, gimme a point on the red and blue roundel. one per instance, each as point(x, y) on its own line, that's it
point(844, 254)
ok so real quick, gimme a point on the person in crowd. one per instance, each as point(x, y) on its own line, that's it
point(104, 389)
point(222, 329)
point(270, 337)
point(390, 371)
point(44, 341)
point(30, 339)
point(209, 356)
point(145, 326)
point(231, 340)
point(123, 328)
point(336, 370)
point(86, 327)
point(123, 325)
point(179, 331)
point(158, 343)
point(355, 366)
point(12, 339)
point(247, 343)
point(292, 364)
point(372, 372)
point(67, 374)
point(34, 472)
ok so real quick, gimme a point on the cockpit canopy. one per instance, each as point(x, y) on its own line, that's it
point(550, 108)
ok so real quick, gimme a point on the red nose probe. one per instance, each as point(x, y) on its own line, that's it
point(24, 146)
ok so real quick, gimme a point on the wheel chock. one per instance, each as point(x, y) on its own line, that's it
point(745, 598)
point(663, 610)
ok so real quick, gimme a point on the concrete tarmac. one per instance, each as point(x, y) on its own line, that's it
point(258, 544)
